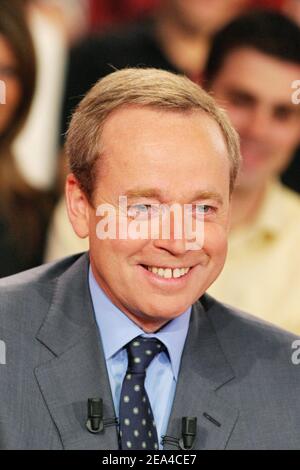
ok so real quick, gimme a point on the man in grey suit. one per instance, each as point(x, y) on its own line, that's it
point(128, 324)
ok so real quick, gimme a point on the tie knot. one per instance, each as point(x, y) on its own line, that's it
point(140, 352)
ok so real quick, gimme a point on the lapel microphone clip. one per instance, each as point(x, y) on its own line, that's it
point(95, 422)
point(188, 435)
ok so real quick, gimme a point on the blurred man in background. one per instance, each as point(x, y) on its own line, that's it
point(251, 67)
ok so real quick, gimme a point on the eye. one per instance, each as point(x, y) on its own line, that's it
point(139, 211)
point(203, 209)
point(283, 113)
point(240, 100)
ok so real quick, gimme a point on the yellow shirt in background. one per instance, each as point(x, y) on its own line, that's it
point(262, 271)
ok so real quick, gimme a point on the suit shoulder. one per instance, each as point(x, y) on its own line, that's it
point(36, 276)
point(25, 297)
point(244, 328)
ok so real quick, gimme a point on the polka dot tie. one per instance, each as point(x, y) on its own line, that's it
point(137, 427)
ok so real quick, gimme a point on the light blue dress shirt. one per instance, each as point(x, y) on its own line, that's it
point(116, 330)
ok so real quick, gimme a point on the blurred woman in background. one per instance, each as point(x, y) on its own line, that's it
point(24, 211)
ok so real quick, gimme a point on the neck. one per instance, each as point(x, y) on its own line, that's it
point(246, 203)
point(187, 50)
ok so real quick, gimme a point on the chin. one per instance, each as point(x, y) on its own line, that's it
point(166, 312)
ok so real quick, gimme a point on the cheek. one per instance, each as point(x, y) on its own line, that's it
point(239, 117)
point(287, 139)
point(215, 241)
point(106, 259)
point(121, 252)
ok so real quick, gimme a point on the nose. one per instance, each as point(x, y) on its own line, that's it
point(171, 235)
point(258, 124)
point(174, 247)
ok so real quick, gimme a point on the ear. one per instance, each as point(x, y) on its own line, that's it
point(77, 207)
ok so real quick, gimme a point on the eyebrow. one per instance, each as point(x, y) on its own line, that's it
point(288, 107)
point(155, 193)
point(233, 92)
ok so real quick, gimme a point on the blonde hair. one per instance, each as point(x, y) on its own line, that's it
point(148, 87)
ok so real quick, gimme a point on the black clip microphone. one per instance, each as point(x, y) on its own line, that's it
point(95, 415)
point(95, 422)
point(188, 433)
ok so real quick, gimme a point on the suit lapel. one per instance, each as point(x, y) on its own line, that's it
point(204, 371)
point(77, 371)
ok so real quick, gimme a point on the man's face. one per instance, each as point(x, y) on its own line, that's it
point(255, 90)
point(160, 157)
point(206, 16)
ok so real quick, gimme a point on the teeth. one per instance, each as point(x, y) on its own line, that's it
point(168, 273)
point(161, 272)
point(177, 272)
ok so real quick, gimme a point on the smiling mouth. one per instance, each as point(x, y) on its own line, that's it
point(167, 273)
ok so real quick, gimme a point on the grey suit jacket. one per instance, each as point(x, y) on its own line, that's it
point(235, 369)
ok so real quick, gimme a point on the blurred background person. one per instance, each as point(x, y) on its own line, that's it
point(24, 211)
point(251, 66)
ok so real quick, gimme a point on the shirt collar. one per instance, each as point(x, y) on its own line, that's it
point(111, 319)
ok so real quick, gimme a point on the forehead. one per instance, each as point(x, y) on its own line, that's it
point(262, 75)
point(132, 131)
point(142, 145)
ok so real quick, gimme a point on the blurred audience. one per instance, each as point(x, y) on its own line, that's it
point(24, 211)
point(176, 38)
point(251, 66)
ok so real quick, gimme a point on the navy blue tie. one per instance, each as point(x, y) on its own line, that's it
point(137, 426)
